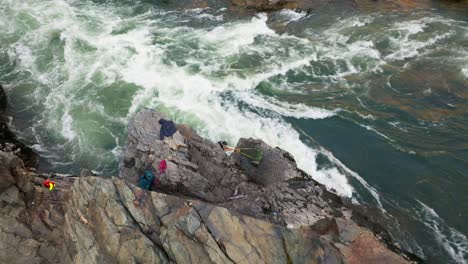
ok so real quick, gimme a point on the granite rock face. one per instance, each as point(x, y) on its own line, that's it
point(274, 190)
point(95, 220)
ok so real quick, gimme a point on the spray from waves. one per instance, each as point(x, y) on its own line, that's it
point(200, 13)
point(285, 109)
point(454, 242)
point(59, 36)
point(410, 41)
point(227, 37)
point(407, 39)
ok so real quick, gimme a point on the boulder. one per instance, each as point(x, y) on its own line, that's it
point(277, 165)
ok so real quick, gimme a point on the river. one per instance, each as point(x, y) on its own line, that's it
point(372, 103)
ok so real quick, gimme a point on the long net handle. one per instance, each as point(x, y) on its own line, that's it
point(239, 150)
point(248, 156)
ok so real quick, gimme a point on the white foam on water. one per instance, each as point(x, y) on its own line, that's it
point(292, 15)
point(248, 84)
point(340, 48)
point(412, 27)
point(351, 22)
point(409, 47)
point(286, 109)
point(376, 131)
point(454, 242)
point(203, 13)
point(231, 37)
point(465, 72)
point(371, 189)
point(67, 126)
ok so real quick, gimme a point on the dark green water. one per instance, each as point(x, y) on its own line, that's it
point(372, 104)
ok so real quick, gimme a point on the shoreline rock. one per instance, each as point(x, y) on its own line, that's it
point(190, 217)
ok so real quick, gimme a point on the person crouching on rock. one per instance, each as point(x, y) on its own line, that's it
point(224, 145)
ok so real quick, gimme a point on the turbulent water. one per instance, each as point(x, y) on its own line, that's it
point(374, 105)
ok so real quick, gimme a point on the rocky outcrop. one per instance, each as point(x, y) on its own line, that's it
point(95, 220)
point(208, 208)
point(275, 190)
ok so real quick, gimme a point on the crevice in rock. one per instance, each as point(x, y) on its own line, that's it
point(119, 200)
point(288, 257)
point(195, 239)
point(248, 240)
point(220, 245)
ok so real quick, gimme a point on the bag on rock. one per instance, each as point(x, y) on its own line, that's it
point(146, 180)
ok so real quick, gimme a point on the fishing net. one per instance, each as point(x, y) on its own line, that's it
point(254, 155)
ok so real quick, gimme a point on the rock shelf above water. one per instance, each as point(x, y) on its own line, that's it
point(208, 208)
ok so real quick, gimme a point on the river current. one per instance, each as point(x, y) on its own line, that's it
point(372, 104)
